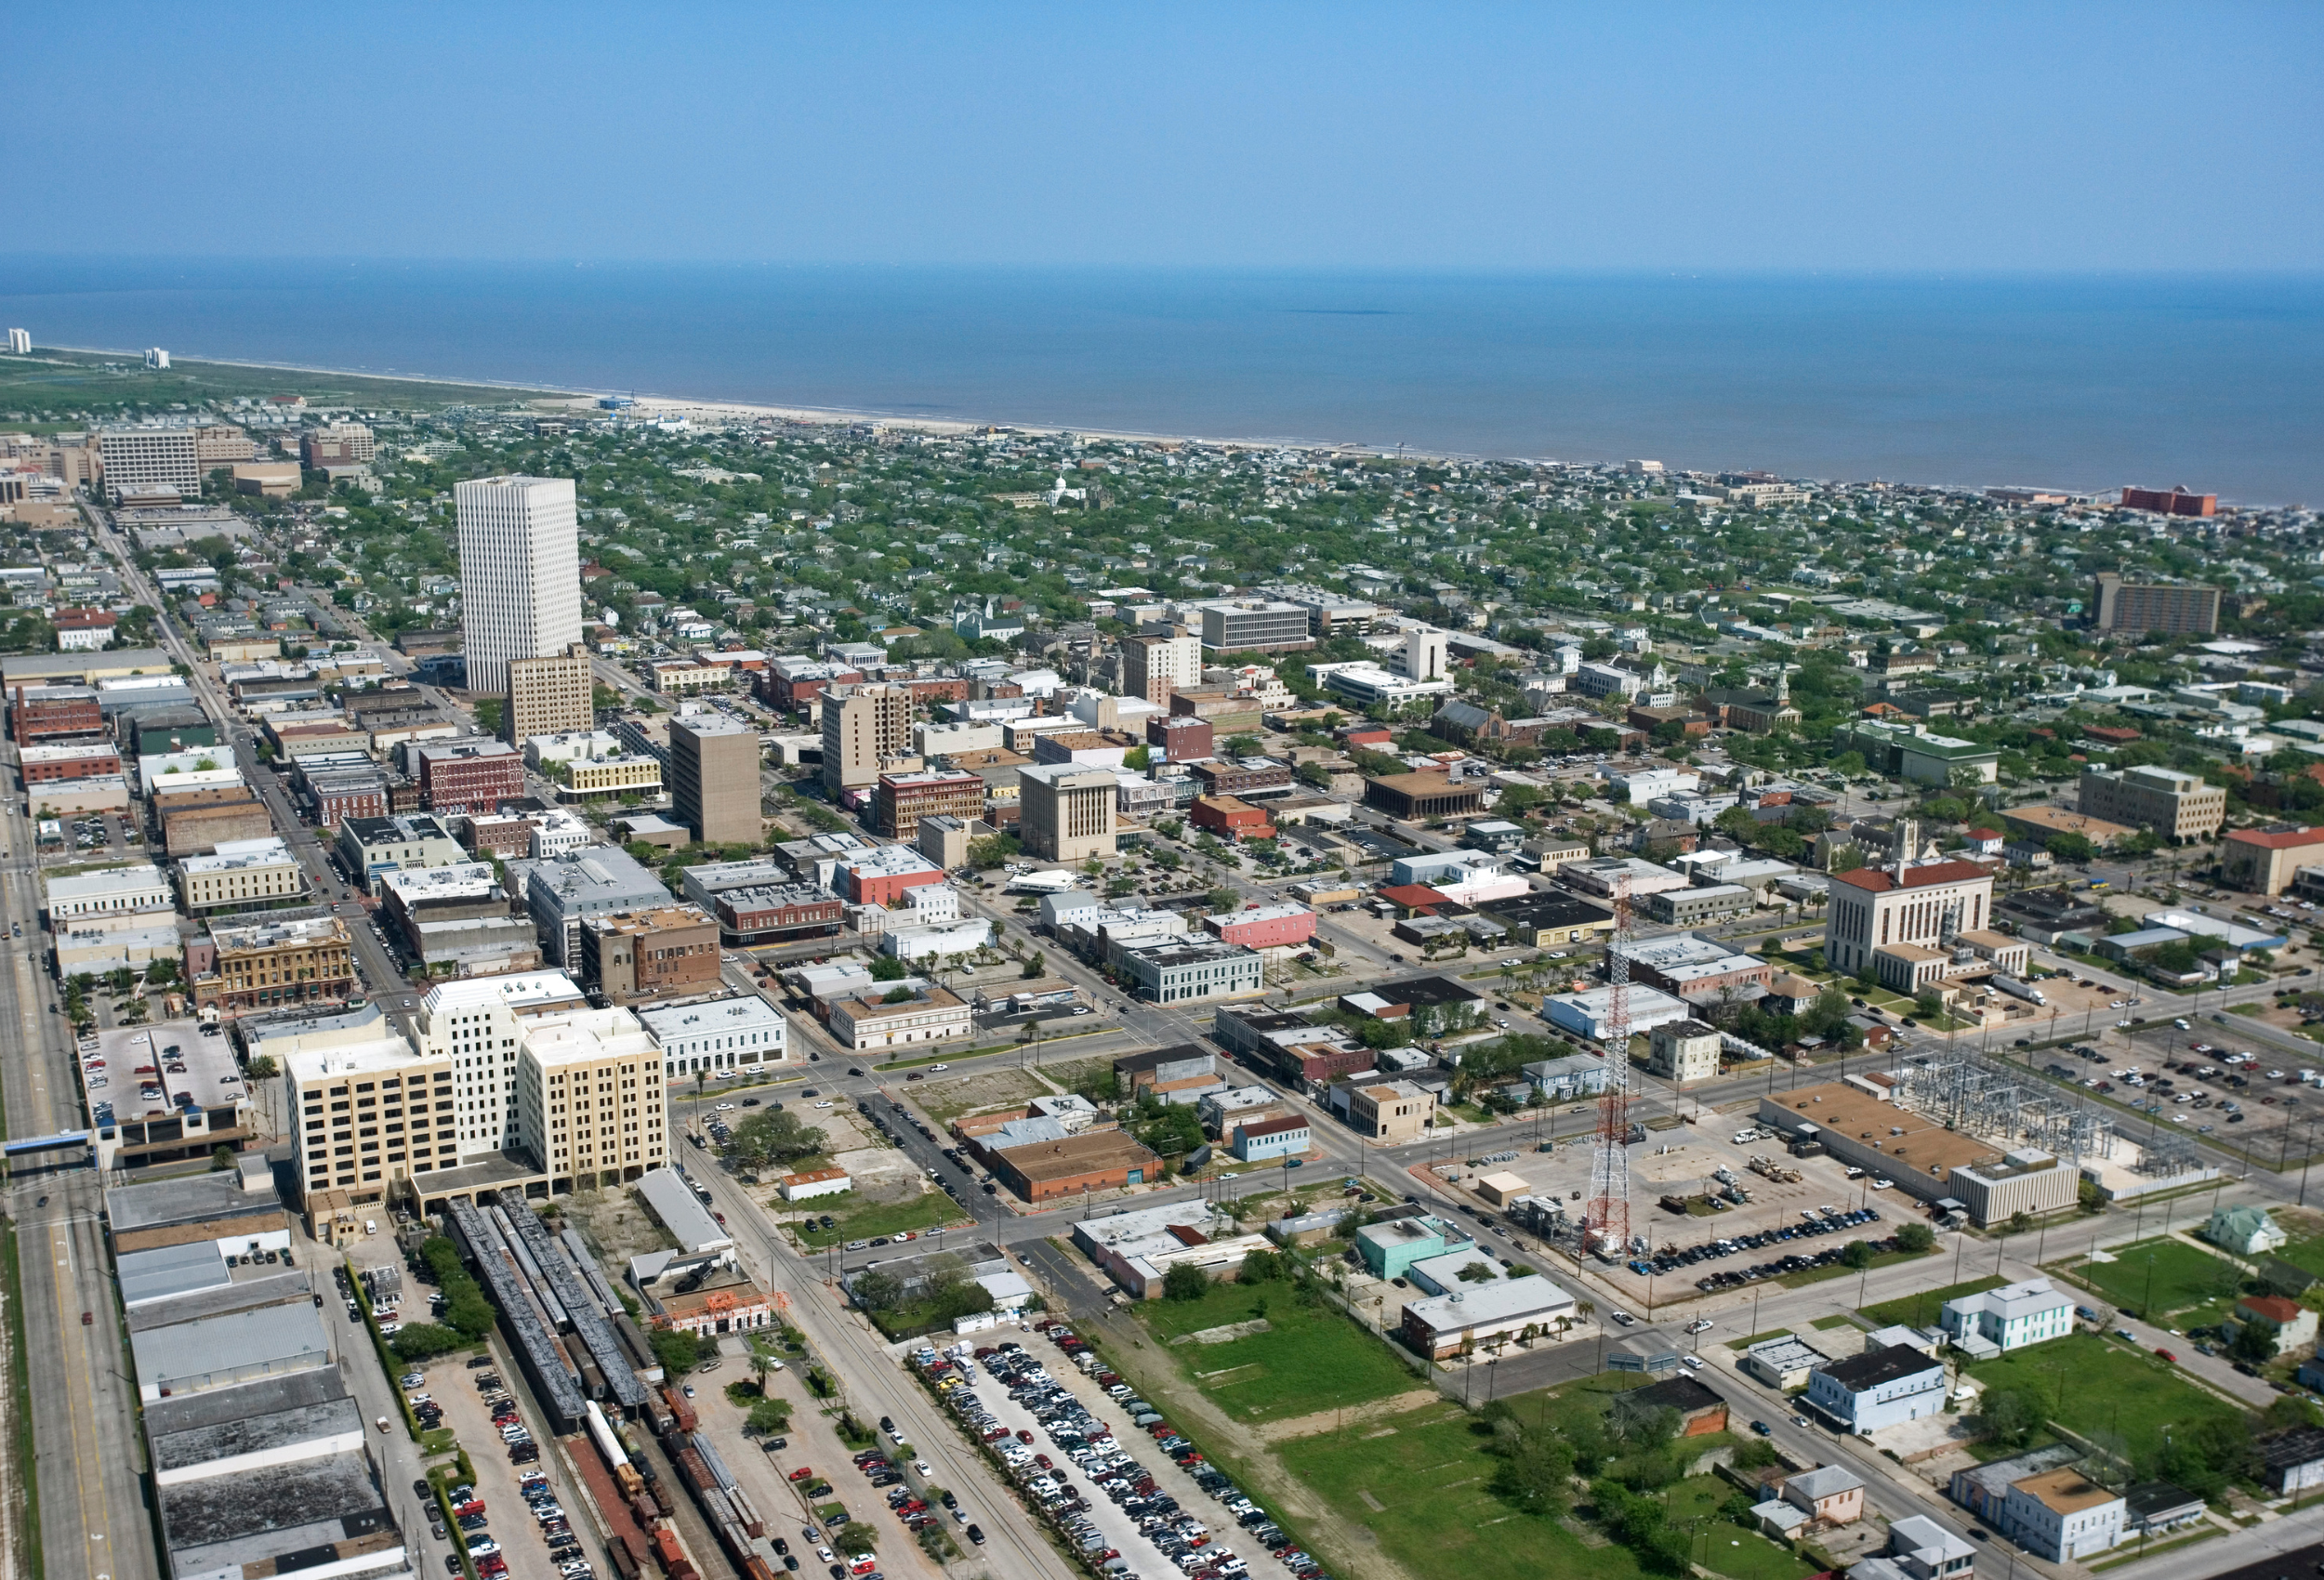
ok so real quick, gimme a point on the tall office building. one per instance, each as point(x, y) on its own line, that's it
point(862, 724)
point(1152, 668)
point(151, 456)
point(1067, 811)
point(2147, 606)
point(519, 575)
point(550, 696)
point(714, 780)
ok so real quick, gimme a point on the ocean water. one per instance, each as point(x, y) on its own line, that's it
point(2212, 382)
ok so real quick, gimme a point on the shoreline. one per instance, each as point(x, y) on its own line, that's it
point(572, 396)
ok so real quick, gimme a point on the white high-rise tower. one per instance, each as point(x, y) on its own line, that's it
point(519, 575)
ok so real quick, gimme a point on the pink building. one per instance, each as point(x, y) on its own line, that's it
point(883, 875)
point(1264, 926)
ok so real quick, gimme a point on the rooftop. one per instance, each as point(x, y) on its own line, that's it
point(2064, 1490)
point(1875, 1367)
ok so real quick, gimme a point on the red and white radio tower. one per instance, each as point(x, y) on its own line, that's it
point(1605, 1216)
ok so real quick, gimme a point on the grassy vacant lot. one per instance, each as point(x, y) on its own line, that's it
point(1841, 1270)
point(2180, 1278)
point(2092, 1384)
point(1721, 1545)
point(1921, 1309)
point(1419, 1482)
point(1310, 1358)
point(857, 1219)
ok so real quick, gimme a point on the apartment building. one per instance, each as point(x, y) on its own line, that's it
point(633, 955)
point(519, 575)
point(2165, 801)
point(270, 963)
point(241, 873)
point(550, 696)
point(714, 780)
point(2118, 605)
point(1065, 812)
point(1154, 667)
point(863, 727)
point(902, 799)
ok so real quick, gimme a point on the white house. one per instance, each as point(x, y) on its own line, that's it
point(2247, 1231)
point(2010, 1317)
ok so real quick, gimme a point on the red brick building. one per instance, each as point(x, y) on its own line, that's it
point(929, 690)
point(1264, 926)
point(776, 912)
point(71, 762)
point(46, 713)
point(900, 801)
point(1253, 776)
point(474, 776)
point(1182, 737)
point(2170, 501)
point(1229, 817)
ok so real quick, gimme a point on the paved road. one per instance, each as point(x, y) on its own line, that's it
point(84, 1409)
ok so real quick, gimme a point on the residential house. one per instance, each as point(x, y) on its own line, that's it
point(2010, 1317)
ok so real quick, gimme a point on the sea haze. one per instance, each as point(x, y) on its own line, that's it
point(2207, 382)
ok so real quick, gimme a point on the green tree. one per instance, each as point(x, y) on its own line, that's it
point(2254, 1343)
point(774, 1135)
point(678, 1350)
point(1537, 1473)
point(767, 1418)
point(422, 1341)
point(888, 968)
point(1184, 1281)
point(1223, 899)
point(1260, 1266)
point(1856, 1254)
point(1915, 1238)
point(2005, 1417)
point(878, 1291)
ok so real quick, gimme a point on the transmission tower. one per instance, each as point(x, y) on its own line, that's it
point(1605, 1216)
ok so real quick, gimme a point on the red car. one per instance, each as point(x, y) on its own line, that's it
point(2167, 1356)
point(803, 1473)
point(473, 1506)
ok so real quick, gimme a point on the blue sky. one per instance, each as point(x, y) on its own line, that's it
point(1785, 136)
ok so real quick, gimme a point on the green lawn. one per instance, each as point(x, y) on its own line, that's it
point(1723, 1546)
point(1311, 1358)
point(865, 1220)
point(1841, 1270)
point(2305, 1252)
point(1419, 1482)
point(1921, 1309)
point(2092, 1384)
point(2156, 1278)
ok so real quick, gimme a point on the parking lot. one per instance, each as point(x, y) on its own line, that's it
point(1113, 1492)
point(467, 1396)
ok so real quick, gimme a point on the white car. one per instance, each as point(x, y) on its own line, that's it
point(934, 1068)
point(1700, 1324)
point(1884, 1184)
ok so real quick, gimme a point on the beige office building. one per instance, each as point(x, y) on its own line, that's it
point(550, 696)
point(220, 444)
point(2169, 803)
point(588, 1098)
point(1683, 1052)
point(1065, 812)
point(242, 873)
point(862, 725)
point(140, 457)
point(1154, 667)
point(370, 1110)
point(714, 780)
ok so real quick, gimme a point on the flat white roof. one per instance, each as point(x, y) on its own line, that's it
point(720, 1016)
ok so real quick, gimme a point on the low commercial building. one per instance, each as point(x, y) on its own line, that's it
point(1783, 1363)
point(1184, 972)
point(725, 1035)
point(1074, 1165)
point(202, 821)
point(367, 846)
point(1281, 925)
point(916, 1016)
point(1696, 907)
point(266, 964)
point(1257, 1141)
point(1410, 797)
point(1391, 1113)
point(1586, 1014)
point(1879, 1389)
point(815, 1182)
point(1926, 1159)
point(1551, 921)
point(1389, 1248)
point(2062, 1515)
point(47, 765)
point(1170, 1074)
point(1485, 1314)
point(639, 955)
point(1230, 817)
point(777, 912)
point(242, 875)
point(882, 875)
point(110, 891)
